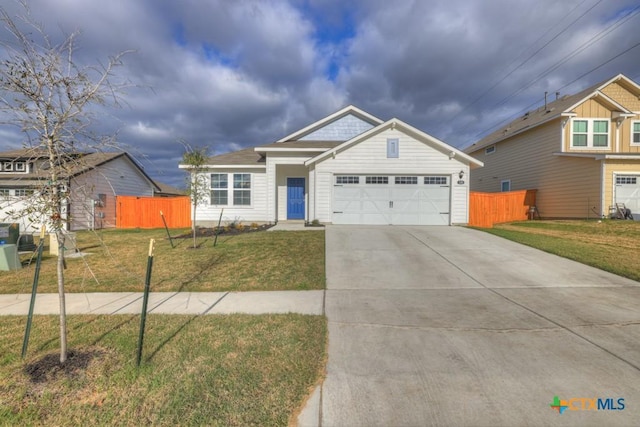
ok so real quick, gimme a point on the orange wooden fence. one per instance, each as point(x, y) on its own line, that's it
point(486, 209)
point(144, 212)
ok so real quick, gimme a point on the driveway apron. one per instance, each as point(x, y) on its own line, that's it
point(452, 326)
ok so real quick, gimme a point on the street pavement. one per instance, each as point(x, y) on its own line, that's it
point(451, 326)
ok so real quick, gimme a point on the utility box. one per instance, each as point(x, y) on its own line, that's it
point(9, 233)
point(9, 259)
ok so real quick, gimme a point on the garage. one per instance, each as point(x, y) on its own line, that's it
point(392, 199)
point(628, 192)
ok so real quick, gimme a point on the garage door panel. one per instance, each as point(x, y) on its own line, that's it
point(400, 204)
point(628, 192)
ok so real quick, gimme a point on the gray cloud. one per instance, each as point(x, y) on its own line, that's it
point(233, 74)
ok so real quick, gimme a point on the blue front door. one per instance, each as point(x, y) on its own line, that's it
point(295, 198)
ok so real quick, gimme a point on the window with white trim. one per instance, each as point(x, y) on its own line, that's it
point(242, 189)
point(435, 180)
point(7, 166)
point(347, 180)
point(505, 185)
point(20, 166)
point(621, 179)
point(23, 192)
point(377, 180)
point(5, 192)
point(590, 133)
point(635, 132)
point(219, 189)
point(406, 180)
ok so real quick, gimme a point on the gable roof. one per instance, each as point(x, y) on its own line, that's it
point(79, 163)
point(408, 129)
point(562, 107)
point(348, 110)
point(247, 157)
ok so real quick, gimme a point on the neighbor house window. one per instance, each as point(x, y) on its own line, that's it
point(406, 180)
point(625, 180)
point(393, 148)
point(505, 185)
point(377, 180)
point(7, 166)
point(347, 180)
point(4, 192)
point(219, 189)
point(242, 189)
point(635, 132)
point(590, 133)
point(23, 192)
point(20, 166)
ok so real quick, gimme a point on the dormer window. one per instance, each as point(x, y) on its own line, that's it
point(7, 166)
point(20, 166)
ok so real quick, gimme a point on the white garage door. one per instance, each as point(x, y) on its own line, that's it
point(391, 199)
point(628, 192)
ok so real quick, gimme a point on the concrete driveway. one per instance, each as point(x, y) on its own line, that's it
point(451, 326)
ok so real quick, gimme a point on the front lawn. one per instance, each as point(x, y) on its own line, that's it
point(213, 370)
point(256, 261)
point(609, 245)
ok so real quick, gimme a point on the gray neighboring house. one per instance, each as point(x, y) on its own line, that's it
point(92, 182)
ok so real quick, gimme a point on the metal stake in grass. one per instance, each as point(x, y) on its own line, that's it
point(145, 300)
point(166, 228)
point(215, 240)
point(34, 290)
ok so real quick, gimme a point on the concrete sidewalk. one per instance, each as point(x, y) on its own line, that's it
point(192, 303)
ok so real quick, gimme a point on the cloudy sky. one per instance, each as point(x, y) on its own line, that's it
point(234, 74)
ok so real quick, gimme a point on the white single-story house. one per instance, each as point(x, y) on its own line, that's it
point(347, 168)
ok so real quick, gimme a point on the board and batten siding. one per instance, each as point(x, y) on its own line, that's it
point(208, 214)
point(590, 109)
point(117, 177)
point(568, 187)
point(370, 157)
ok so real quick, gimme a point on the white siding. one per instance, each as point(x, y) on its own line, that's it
point(370, 157)
point(278, 168)
point(208, 215)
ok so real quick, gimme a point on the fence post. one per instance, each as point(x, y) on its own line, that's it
point(145, 300)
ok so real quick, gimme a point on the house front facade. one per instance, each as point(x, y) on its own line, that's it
point(90, 181)
point(580, 152)
point(347, 168)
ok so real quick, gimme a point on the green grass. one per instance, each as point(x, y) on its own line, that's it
point(232, 370)
point(279, 260)
point(613, 246)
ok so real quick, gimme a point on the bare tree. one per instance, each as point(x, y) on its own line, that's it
point(195, 160)
point(49, 96)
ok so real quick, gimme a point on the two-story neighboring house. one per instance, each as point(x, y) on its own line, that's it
point(581, 152)
point(91, 182)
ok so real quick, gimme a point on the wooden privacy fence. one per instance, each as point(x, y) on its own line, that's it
point(144, 212)
point(486, 209)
